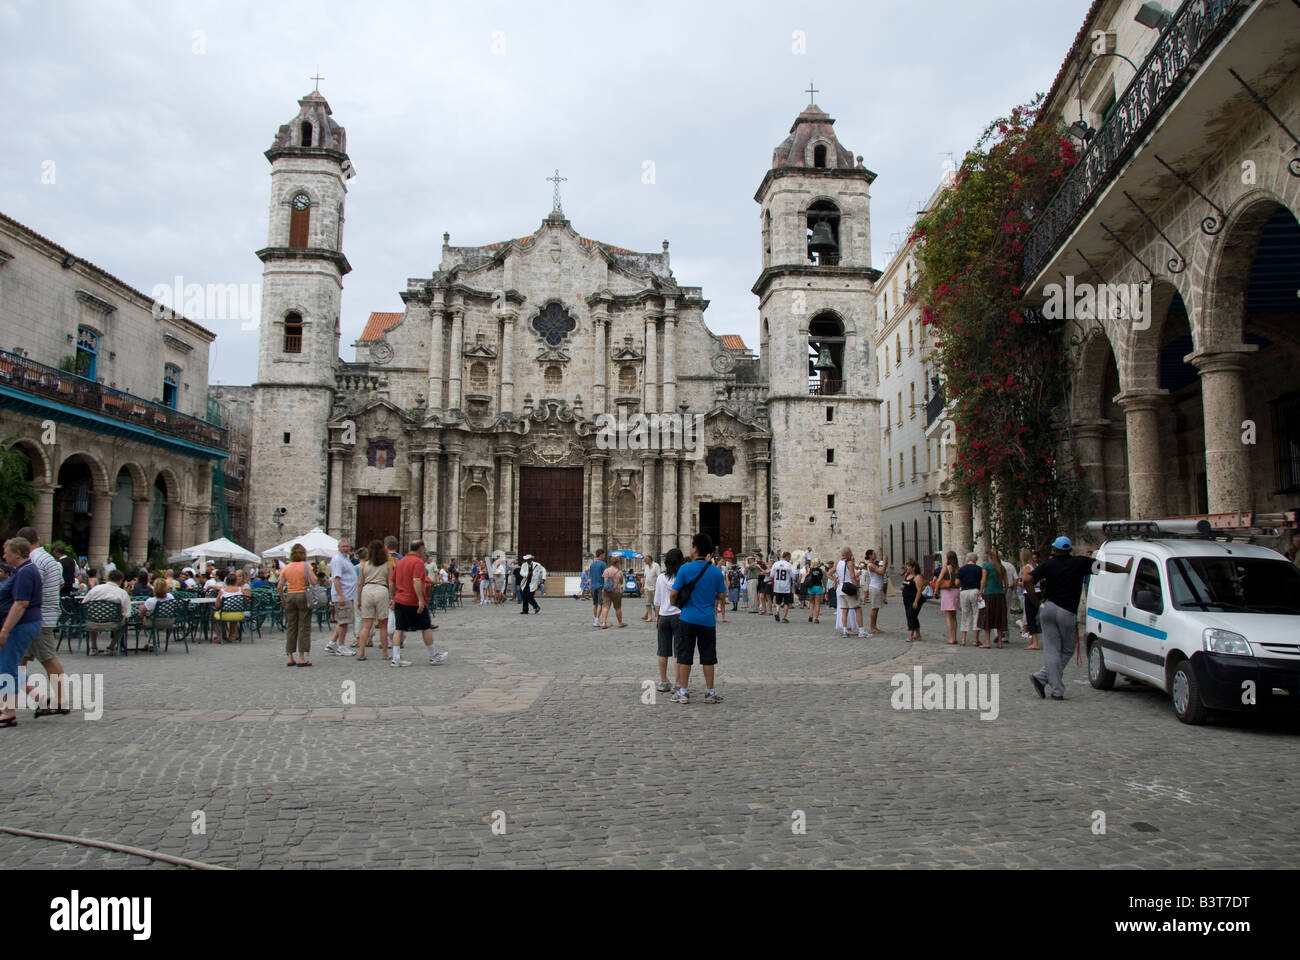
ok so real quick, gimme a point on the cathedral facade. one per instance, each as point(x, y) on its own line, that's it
point(554, 394)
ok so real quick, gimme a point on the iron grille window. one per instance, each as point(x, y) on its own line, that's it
point(1286, 442)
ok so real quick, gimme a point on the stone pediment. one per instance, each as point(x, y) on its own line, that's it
point(480, 349)
point(627, 352)
point(376, 409)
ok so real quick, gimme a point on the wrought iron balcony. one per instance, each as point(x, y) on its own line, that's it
point(33, 379)
point(933, 409)
point(1196, 30)
point(825, 388)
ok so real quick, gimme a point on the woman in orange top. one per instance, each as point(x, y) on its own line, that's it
point(293, 597)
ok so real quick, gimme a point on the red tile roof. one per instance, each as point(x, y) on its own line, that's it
point(379, 324)
point(732, 341)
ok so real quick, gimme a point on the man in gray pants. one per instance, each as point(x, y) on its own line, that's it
point(1062, 576)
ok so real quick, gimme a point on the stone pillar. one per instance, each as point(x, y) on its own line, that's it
point(334, 522)
point(600, 378)
point(202, 523)
point(436, 354)
point(507, 402)
point(648, 502)
point(1146, 465)
point(173, 527)
point(415, 496)
point(961, 535)
point(505, 502)
point(43, 521)
point(456, 357)
point(452, 532)
point(650, 393)
point(1223, 400)
point(101, 506)
point(138, 551)
point(432, 518)
point(686, 517)
point(596, 499)
point(1089, 445)
point(670, 355)
point(514, 509)
point(762, 505)
point(670, 514)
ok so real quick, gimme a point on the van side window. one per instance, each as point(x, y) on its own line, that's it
point(1148, 579)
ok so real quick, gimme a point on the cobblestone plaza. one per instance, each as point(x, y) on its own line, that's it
point(538, 727)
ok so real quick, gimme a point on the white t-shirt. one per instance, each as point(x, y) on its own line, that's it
point(214, 584)
point(663, 590)
point(782, 576)
point(842, 571)
point(341, 567)
point(876, 581)
point(652, 574)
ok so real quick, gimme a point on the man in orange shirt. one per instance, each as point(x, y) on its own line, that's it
point(410, 607)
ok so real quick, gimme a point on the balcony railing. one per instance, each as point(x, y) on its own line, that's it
point(59, 385)
point(825, 388)
point(933, 408)
point(1196, 29)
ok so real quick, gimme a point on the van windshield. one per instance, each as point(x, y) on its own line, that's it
point(1234, 584)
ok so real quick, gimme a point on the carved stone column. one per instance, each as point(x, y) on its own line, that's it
point(961, 536)
point(505, 539)
point(416, 495)
point(648, 502)
point(1146, 465)
point(670, 355)
point(669, 514)
point(432, 517)
point(456, 357)
point(202, 523)
point(1223, 400)
point(173, 527)
point(596, 499)
point(43, 521)
point(138, 552)
point(101, 507)
point(1089, 445)
point(650, 393)
point(437, 356)
point(762, 505)
point(507, 402)
point(452, 533)
point(686, 522)
point(600, 379)
point(337, 458)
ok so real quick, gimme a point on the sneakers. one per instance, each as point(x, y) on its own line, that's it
point(438, 658)
point(862, 633)
point(399, 663)
point(1039, 686)
point(663, 687)
point(680, 696)
point(714, 697)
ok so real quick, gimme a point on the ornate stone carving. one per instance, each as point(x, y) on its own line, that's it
point(381, 352)
point(723, 363)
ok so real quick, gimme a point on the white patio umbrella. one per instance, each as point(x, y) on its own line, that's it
point(219, 549)
point(318, 543)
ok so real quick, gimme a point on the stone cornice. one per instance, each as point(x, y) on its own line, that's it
point(810, 272)
point(854, 173)
point(269, 254)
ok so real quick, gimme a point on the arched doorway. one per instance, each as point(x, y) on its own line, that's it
point(1099, 430)
point(19, 474)
point(72, 505)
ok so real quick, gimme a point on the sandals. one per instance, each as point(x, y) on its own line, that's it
point(362, 659)
point(9, 722)
point(304, 663)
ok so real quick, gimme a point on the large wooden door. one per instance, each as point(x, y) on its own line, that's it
point(378, 517)
point(729, 528)
point(550, 516)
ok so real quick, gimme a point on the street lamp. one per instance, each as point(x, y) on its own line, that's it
point(1152, 15)
point(927, 504)
point(834, 518)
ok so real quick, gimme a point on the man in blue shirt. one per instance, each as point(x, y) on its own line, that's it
point(696, 591)
point(596, 572)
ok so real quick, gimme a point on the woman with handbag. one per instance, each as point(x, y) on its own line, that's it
point(295, 578)
point(374, 598)
point(847, 599)
point(950, 594)
point(913, 598)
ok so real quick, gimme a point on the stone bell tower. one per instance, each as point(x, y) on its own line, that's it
point(816, 307)
point(298, 340)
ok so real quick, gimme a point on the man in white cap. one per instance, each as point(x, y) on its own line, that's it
point(187, 575)
point(1063, 575)
point(528, 582)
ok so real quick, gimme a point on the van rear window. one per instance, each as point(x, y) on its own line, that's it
point(1234, 584)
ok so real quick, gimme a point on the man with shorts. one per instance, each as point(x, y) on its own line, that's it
point(44, 646)
point(410, 608)
point(782, 584)
point(343, 593)
point(696, 591)
point(668, 626)
point(596, 574)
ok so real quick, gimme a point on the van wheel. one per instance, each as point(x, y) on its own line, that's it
point(1098, 675)
point(1186, 695)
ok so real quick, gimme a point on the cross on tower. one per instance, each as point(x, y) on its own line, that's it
point(557, 180)
point(812, 92)
point(318, 79)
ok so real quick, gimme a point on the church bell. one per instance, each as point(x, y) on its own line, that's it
point(821, 242)
point(824, 361)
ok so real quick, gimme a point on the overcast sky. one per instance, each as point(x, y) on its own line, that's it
point(151, 119)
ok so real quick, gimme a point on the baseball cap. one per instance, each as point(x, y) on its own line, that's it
point(1062, 543)
point(528, 556)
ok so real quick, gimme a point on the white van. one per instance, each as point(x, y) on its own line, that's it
point(1214, 624)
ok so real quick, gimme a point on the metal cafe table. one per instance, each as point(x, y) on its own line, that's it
point(205, 615)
